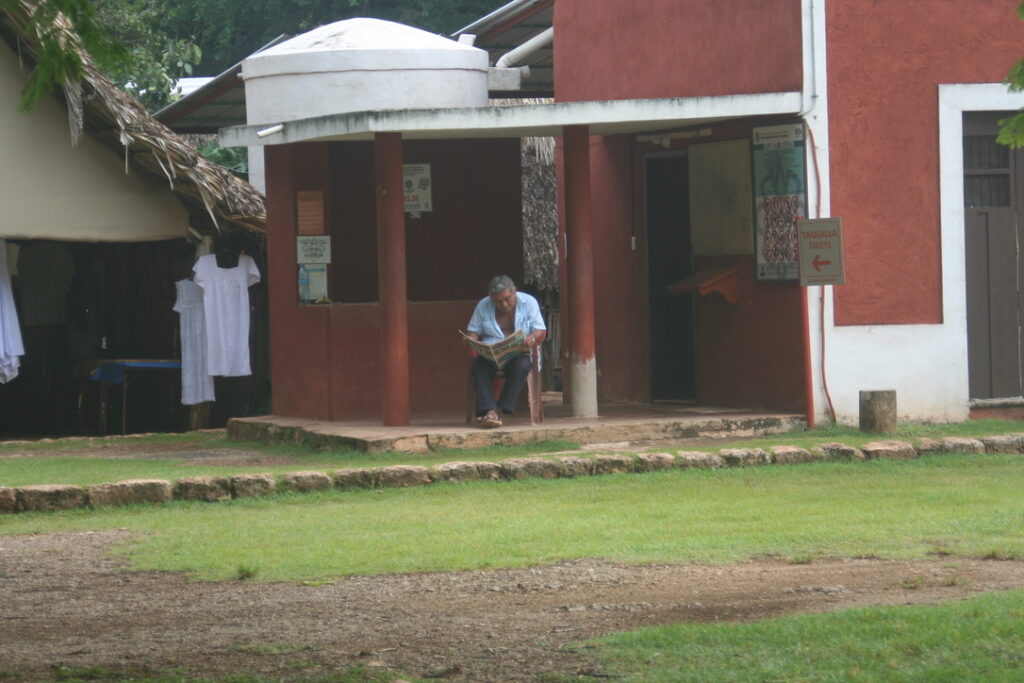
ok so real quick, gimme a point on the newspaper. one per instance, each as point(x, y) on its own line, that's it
point(500, 352)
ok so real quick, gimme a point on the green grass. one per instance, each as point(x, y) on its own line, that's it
point(205, 439)
point(960, 505)
point(980, 639)
point(97, 468)
point(84, 470)
point(908, 431)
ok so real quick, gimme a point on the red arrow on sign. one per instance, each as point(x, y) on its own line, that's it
point(818, 263)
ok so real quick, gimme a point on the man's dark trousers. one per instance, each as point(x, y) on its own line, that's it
point(483, 372)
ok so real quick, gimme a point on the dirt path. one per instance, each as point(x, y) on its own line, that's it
point(63, 600)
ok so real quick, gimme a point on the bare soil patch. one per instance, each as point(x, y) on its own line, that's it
point(196, 452)
point(65, 601)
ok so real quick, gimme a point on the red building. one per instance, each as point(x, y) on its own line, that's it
point(692, 136)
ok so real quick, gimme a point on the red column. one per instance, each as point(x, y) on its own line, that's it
point(394, 327)
point(580, 268)
point(805, 320)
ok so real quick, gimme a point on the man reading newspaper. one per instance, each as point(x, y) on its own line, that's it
point(502, 314)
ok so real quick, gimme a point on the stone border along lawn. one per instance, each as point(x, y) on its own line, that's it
point(49, 497)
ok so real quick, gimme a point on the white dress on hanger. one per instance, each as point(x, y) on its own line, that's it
point(196, 381)
point(11, 347)
point(226, 307)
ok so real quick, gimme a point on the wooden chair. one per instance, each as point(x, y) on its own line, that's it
point(533, 388)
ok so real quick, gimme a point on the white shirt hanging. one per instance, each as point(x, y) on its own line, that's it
point(226, 308)
point(196, 382)
point(11, 347)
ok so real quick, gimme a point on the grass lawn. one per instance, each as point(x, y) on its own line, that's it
point(948, 504)
point(100, 465)
point(84, 470)
point(980, 639)
point(956, 504)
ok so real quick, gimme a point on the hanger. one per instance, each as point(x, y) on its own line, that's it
point(226, 254)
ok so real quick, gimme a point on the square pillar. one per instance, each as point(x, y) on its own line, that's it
point(579, 232)
point(394, 327)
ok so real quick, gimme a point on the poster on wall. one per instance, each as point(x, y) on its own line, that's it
point(417, 191)
point(313, 254)
point(780, 198)
point(310, 249)
point(309, 207)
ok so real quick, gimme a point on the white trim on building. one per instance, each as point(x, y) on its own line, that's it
point(608, 117)
point(926, 364)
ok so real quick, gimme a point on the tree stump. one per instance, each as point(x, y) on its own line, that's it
point(878, 412)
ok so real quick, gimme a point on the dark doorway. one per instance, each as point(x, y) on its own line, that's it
point(670, 258)
point(993, 203)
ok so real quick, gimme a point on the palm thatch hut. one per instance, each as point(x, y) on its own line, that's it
point(540, 235)
point(216, 199)
point(127, 205)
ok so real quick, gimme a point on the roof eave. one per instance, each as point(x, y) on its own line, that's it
point(606, 117)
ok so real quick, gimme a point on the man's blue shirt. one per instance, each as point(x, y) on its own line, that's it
point(528, 318)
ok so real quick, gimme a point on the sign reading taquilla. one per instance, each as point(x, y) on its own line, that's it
point(820, 243)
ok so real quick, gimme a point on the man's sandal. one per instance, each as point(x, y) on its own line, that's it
point(489, 421)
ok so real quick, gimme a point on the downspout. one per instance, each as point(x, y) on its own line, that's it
point(810, 103)
point(810, 94)
point(517, 55)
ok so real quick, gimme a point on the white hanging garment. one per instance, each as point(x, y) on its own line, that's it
point(226, 308)
point(11, 347)
point(196, 382)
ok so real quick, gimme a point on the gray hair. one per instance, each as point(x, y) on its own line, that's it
point(501, 283)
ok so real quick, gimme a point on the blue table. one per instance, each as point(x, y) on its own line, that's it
point(116, 371)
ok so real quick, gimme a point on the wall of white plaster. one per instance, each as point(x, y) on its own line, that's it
point(925, 364)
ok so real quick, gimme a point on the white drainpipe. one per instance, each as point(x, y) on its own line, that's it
point(513, 57)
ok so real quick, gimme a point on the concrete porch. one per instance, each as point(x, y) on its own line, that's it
point(617, 422)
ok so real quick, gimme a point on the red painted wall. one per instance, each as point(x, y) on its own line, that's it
point(477, 212)
point(620, 274)
point(622, 49)
point(298, 341)
point(885, 60)
point(750, 354)
point(677, 48)
point(325, 359)
point(439, 362)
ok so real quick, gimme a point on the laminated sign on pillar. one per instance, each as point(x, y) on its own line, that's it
point(820, 247)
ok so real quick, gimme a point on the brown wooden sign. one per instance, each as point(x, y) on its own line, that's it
point(310, 212)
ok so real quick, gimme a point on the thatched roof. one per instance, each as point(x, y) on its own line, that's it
point(540, 206)
point(215, 198)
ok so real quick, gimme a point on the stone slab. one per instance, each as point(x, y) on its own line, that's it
point(50, 497)
point(130, 492)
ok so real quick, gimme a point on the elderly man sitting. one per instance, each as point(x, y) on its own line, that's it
point(499, 314)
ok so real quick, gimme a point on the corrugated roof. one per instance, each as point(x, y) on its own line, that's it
point(507, 28)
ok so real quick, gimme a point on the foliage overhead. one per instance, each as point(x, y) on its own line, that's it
point(59, 61)
point(156, 59)
point(235, 159)
point(145, 46)
point(1012, 131)
point(230, 30)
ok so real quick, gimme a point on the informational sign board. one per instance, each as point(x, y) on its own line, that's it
point(820, 243)
point(317, 285)
point(313, 249)
point(309, 206)
point(418, 196)
point(780, 198)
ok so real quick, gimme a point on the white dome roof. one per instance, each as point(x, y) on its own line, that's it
point(364, 34)
point(362, 65)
